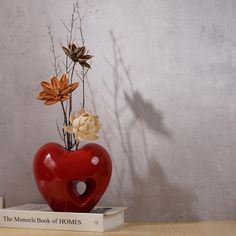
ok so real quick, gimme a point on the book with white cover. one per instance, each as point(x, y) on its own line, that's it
point(40, 216)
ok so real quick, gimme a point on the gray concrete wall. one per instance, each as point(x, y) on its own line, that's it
point(173, 140)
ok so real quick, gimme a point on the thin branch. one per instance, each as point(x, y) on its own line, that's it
point(87, 69)
point(70, 98)
point(83, 83)
point(80, 23)
point(72, 24)
point(77, 73)
point(70, 31)
point(68, 69)
point(84, 73)
point(58, 129)
point(52, 48)
point(59, 68)
point(66, 27)
point(67, 143)
point(71, 28)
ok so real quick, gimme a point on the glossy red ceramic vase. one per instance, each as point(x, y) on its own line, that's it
point(57, 172)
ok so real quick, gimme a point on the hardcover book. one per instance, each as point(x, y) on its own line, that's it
point(40, 216)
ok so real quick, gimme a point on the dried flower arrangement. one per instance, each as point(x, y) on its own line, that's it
point(81, 125)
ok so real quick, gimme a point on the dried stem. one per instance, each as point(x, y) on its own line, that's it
point(72, 24)
point(79, 76)
point(75, 24)
point(77, 145)
point(83, 83)
point(80, 23)
point(71, 80)
point(84, 73)
point(61, 136)
point(70, 31)
point(65, 123)
point(52, 48)
point(57, 70)
point(80, 18)
point(67, 65)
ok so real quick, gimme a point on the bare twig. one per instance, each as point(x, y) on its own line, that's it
point(73, 29)
point(52, 48)
point(72, 24)
point(70, 36)
point(83, 83)
point(80, 23)
point(77, 73)
point(67, 66)
point(70, 98)
point(58, 129)
point(67, 142)
point(59, 68)
point(84, 73)
point(66, 27)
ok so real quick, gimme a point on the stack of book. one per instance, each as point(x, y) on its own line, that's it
point(40, 216)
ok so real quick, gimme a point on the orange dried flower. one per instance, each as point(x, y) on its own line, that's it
point(57, 90)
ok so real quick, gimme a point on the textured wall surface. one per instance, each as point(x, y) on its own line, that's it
point(164, 83)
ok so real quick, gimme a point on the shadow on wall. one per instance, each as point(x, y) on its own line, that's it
point(152, 196)
point(140, 183)
point(144, 111)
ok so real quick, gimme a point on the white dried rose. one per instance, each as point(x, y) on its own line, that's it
point(83, 125)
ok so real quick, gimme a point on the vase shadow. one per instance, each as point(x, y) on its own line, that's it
point(154, 198)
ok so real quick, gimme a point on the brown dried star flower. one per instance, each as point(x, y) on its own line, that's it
point(57, 90)
point(77, 54)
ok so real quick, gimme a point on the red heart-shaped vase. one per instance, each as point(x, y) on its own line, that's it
point(58, 170)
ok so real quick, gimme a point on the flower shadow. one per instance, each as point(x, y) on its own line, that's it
point(144, 111)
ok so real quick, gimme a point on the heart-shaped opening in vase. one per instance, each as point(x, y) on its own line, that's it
point(79, 187)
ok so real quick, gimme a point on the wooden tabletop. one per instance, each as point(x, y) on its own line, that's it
point(217, 228)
